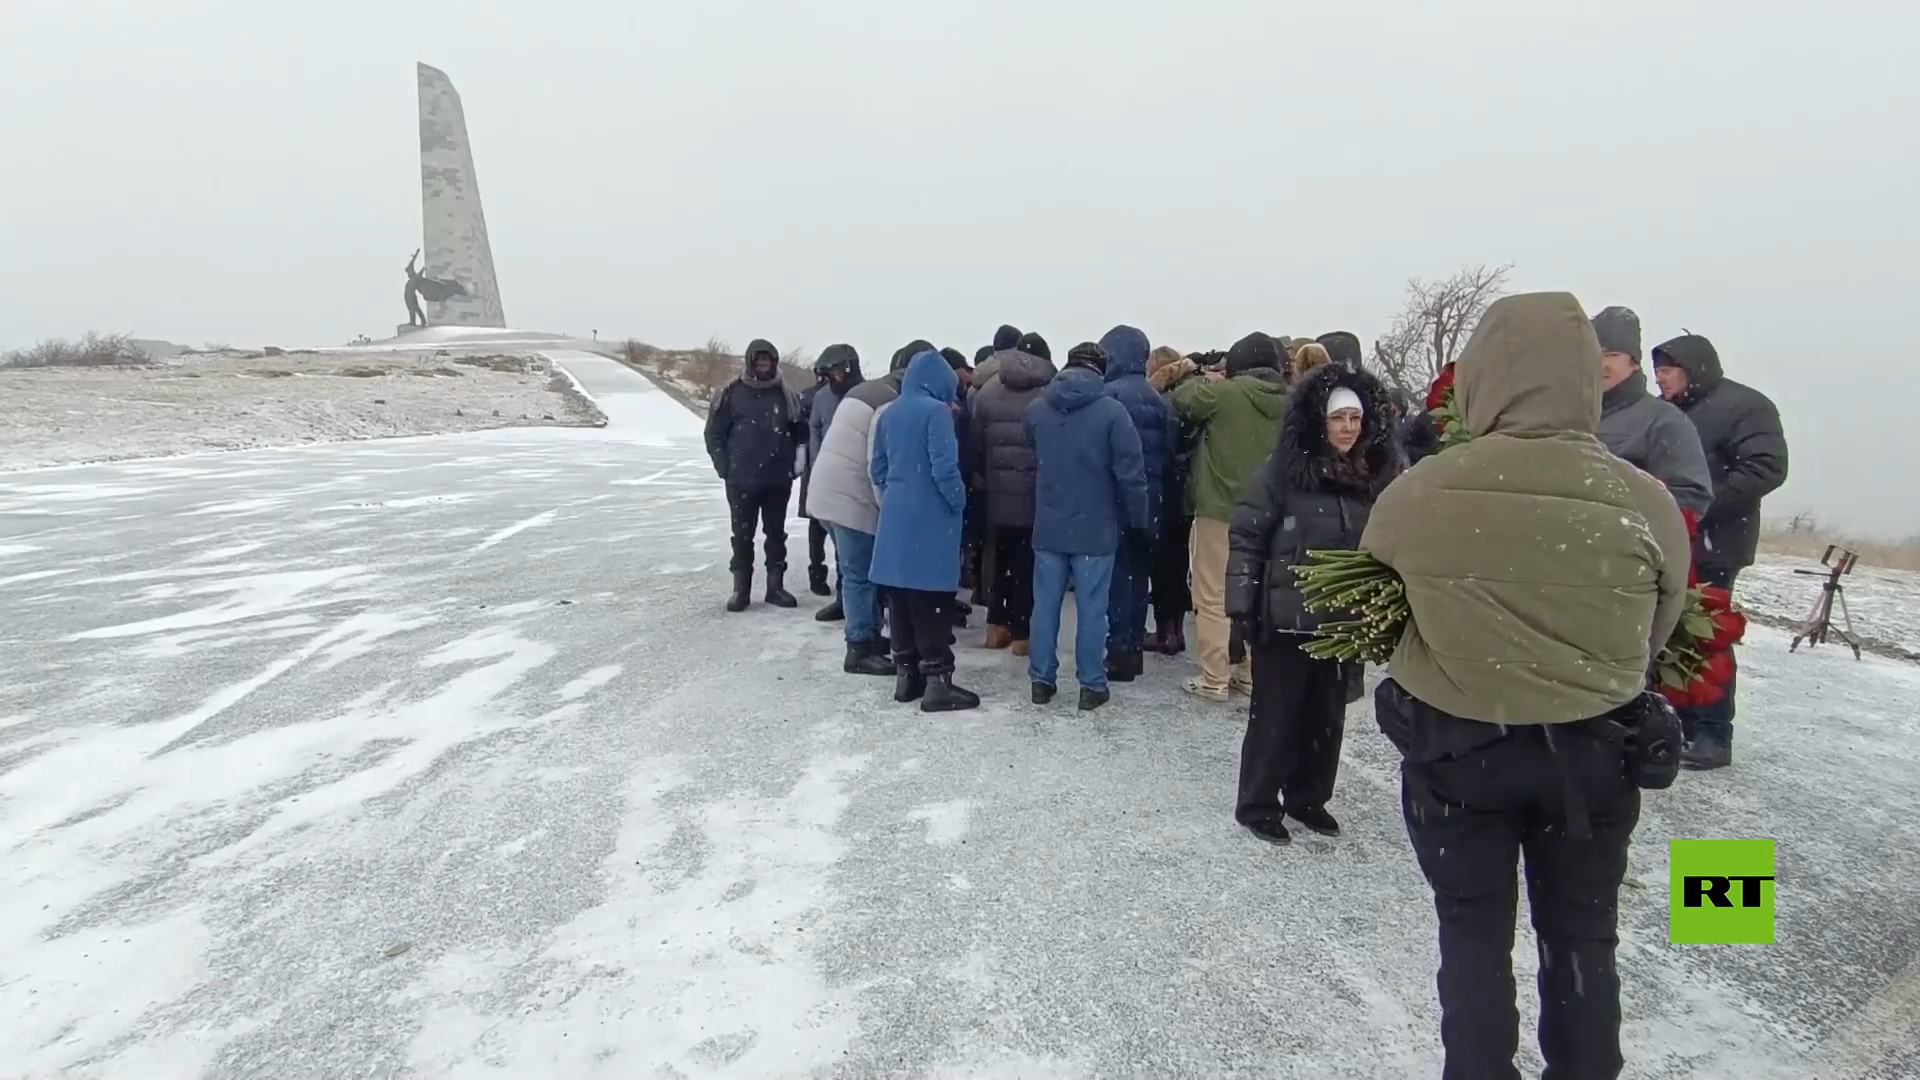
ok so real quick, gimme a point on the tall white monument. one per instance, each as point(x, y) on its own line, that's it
point(461, 289)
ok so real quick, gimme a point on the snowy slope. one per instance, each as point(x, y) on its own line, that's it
point(1884, 604)
point(438, 758)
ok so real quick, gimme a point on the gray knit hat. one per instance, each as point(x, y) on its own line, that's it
point(1618, 329)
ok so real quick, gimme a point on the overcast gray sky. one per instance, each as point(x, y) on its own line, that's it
point(875, 170)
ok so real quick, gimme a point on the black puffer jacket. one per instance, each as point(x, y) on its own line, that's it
point(756, 428)
point(1001, 455)
point(1746, 451)
point(1299, 501)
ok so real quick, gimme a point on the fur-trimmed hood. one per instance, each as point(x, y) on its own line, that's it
point(1302, 450)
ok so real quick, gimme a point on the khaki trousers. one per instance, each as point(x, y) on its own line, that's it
point(1207, 577)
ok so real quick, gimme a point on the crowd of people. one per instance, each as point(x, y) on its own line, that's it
point(1545, 562)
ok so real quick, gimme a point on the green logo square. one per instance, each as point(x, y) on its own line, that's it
point(1720, 892)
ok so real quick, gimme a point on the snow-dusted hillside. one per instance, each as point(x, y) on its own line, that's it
point(233, 401)
point(438, 758)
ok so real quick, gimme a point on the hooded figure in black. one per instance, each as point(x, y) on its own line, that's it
point(1336, 453)
point(756, 429)
point(1343, 348)
point(1747, 458)
point(838, 371)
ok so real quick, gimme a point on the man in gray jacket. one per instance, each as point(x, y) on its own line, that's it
point(1651, 433)
point(841, 493)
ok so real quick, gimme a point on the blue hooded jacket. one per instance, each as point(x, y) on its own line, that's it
point(916, 468)
point(1091, 481)
point(1153, 417)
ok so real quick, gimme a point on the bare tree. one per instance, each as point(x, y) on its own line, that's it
point(1435, 322)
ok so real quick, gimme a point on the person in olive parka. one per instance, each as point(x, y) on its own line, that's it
point(1542, 575)
point(1336, 452)
point(755, 430)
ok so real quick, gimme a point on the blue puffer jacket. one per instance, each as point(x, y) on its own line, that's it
point(1152, 416)
point(916, 467)
point(1091, 482)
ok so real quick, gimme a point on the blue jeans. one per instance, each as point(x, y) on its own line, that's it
point(1127, 605)
point(853, 550)
point(1092, 577)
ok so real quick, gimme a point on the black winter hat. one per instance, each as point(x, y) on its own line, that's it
point(1343, 348)
point(1256, 350)
point(1007, 337)
point(1618, 329)
point(955, 358)
point(907, 352)
point(1087, 354)
point(1034, 345)
point(837, 356)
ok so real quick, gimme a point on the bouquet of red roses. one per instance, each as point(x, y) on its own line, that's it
point(1444, 409)
point(1696, 672)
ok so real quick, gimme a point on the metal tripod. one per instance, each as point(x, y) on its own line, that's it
point(1818, 627)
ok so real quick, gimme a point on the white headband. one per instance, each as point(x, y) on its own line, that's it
point(1343, 398)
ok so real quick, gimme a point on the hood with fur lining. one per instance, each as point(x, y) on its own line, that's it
point(1302, 449)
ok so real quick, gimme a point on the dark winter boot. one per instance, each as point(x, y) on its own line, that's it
point(961, 612)
point(1091, 699)
point(1315, 818)
point(1157, 641)
point(817, 581)
point(742, 590)
point(1043, 693)
point(943, 696)
point(831, 613)
point(1125, 665)
point(1707, 751)
point(867, 658)
point(908, 683)
point(1270, 830)
point(1175, 641)
point(777, 593)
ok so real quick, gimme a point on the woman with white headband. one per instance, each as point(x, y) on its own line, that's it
point(1336, 453)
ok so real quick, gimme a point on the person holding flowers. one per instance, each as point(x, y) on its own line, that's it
point(1542, 576)
point(1335, 454)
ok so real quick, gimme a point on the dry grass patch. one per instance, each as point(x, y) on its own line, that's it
point(1803, 536)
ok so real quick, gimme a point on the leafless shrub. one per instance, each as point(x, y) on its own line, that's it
point(92, 350)
point(710, 368)
point(1435, 322)
point(638, 352)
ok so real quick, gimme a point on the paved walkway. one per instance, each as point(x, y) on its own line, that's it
point(439, 758)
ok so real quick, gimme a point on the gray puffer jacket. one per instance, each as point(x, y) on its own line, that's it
point(1653, 435)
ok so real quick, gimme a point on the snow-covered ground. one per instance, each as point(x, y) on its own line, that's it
point(439, 758)
point(1884, 604)
point(229, 401)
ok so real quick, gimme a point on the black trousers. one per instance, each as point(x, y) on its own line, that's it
point(1171, 597)
point(1011, 602)
point(1476, 797)
point(767, 508)
point(816, 545)
point(922, 629)
point(1290, 755)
